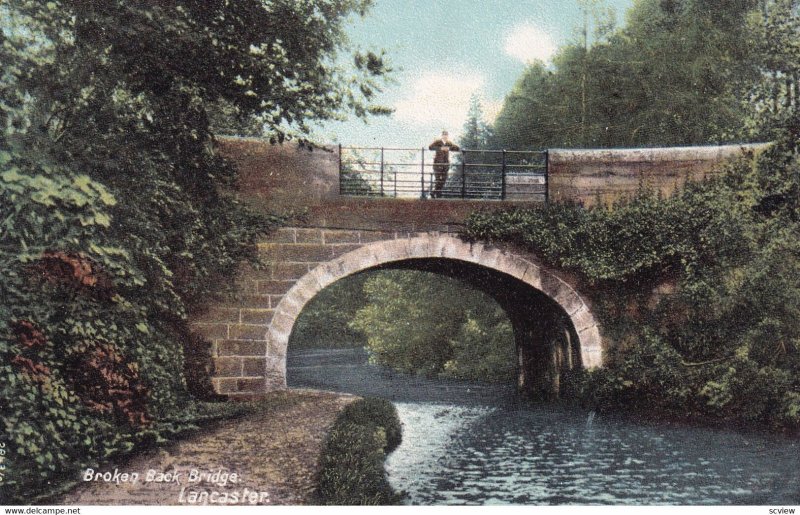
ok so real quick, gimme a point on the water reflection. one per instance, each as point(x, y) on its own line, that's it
point(472, 444)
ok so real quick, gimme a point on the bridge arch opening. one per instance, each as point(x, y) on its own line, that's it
point(554, 328)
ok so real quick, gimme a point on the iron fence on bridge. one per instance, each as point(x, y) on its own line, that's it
point(472, 174)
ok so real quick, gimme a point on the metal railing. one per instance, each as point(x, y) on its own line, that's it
point(471, 174)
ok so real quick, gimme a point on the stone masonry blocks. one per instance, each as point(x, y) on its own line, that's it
point(308, 236)
point(568, 299)
point(282, 325)
point(447, 246)
point(583, 319)
point(288, 271)
point(295, 252)
point(343, 248)
point(211, 331)
point(372, 236)
point(512, 265)
point(419, 247)
point(533, 276)
point(591, 347)
point(251, 337)
point(242, 348)
point(228, 367)
point(284, 235)
point(256, 316)
point(336, 236)
point(254, 367)
point(387, 252)
point(274, 287)
point(247, 332)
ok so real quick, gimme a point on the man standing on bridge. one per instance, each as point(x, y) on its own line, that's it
point(441, 162)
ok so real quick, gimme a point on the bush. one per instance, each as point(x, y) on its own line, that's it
point(726, 344)
point(351, 465)
point(427, 324)
point(376, 412)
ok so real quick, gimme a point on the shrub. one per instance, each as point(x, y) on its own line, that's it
point(376, 412)
point(726, 344)
point(351, 465)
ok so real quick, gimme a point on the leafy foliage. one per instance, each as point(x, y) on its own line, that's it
point(674, 75)
point(415, 322)
point(420, 323)
point(726, 342)
point(377, 412)
point(351, 466)
point(116, 211)
point(325, 320)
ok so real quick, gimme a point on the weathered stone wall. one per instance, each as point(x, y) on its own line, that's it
point(591, 176)
point(250, 331)
point(283, 178)
point(237, 325)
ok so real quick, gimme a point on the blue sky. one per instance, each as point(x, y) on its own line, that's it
point(443, 51)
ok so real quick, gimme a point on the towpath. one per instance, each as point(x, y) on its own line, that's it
point(273, 452)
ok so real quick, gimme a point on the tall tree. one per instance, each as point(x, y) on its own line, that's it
point(673, 75)
point(476, 131)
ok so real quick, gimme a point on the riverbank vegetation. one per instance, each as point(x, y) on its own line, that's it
point(414, 322)
point(351, 465)
point(725, 343)
point(116, 209)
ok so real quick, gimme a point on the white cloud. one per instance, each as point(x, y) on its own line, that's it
point(439, 99)
point(527, 42)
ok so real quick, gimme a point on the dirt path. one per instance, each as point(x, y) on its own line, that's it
point(273, 454)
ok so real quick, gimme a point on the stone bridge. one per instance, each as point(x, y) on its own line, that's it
point(332, 237)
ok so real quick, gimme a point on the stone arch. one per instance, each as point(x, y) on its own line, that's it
point(430, 246)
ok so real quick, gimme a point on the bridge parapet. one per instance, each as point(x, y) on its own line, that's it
point(285, 178)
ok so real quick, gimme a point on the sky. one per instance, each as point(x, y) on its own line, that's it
point(443, 51)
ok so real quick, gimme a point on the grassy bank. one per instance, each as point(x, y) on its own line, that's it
point(351, 465)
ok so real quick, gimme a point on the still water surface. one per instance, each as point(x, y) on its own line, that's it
point(467, 443)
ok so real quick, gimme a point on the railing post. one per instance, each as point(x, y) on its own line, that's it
point(422, 175)
point(503, 178)
point(546, 176)
point(340, 169)
point(463, 174)
point(381, 171)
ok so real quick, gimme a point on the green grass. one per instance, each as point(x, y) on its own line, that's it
point(351, 471)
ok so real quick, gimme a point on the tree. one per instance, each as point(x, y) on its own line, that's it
point(773, 100)
point(476, 132)
point(115, 204)
point(674, 75)
point(421, 323)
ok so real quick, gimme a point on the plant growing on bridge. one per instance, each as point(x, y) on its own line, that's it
point(727, 343)
point(115, 205)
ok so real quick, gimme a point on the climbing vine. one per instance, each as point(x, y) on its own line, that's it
point(701, 290)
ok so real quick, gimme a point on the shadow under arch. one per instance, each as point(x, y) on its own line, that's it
point(438, 252)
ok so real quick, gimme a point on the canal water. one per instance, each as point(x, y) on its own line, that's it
point(466, 443)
